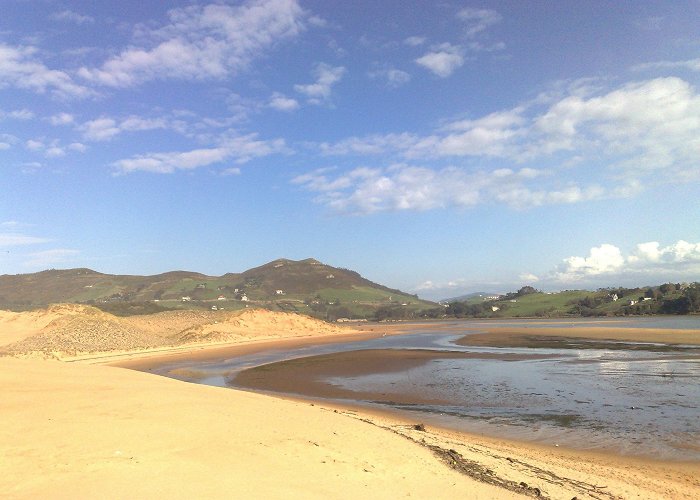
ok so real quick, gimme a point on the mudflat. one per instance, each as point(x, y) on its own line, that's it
point(305, 376)
point(557, 337)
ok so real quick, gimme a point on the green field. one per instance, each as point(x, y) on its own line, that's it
point(541, 304)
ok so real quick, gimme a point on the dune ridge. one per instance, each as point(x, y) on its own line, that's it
point(68, 331)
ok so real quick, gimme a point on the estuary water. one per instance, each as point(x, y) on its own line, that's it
point(620, 398)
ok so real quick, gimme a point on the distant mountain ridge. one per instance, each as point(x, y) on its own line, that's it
point(299, 286)
point(471, 296)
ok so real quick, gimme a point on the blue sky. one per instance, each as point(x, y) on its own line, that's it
point(436, 147)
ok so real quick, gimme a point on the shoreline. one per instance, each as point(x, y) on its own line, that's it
point(148, 360)
point(332, 394)
point(104, 429)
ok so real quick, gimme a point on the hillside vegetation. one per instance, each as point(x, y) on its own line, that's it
point(669, 298)
point(307, 286)
point(329, 293)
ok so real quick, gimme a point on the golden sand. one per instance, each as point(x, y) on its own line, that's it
point(72, 430)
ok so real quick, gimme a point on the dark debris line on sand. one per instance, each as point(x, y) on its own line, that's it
point(479, 472)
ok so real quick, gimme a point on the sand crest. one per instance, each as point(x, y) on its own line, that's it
point(71, 331)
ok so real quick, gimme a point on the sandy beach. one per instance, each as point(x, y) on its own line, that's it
point(80, 430)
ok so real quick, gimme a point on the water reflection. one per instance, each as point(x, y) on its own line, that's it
point(637, 402)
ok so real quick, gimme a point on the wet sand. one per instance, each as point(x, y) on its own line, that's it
point(149, 361)
point(581, 337)
point(304, 376)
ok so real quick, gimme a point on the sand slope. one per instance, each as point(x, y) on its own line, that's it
point(80, 431)
point(69, 331)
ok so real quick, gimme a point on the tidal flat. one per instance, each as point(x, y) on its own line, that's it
point(588, 386)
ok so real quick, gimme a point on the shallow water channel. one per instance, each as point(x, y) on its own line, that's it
point(630, 401)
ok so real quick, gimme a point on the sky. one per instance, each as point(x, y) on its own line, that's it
point(437, 147)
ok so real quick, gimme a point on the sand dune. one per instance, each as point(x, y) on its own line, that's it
point(69, 331)
point(16, 326)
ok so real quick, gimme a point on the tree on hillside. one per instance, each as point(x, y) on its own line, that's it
point(526, 290)
point(688, 302)
point(668, 288)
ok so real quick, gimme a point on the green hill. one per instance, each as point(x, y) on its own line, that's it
point(668, 298)
point(307, 286)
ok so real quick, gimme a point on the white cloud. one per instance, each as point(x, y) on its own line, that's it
point(651, 260)
point(73, 17)
point(54, 152)
point(636, 134)
point(31, 167)
point(7, 140)
point(20, 68)
point(690, 64)
point(47, 258)
point(18, 114)
point(240, 150)
point(50, 149)
point(415, 41)
point(652, 253)
point(137, 123)
point(443, 60)
point(478, 20)
point(403, 187)
point(426, 285)
point(649, 126)
point(203, 42)
point(280, 102)
point(494, 135)
point(326, 76)
point(391, 76)
point(34, 145)
point(12, 239)
point(442, 287)
point(529, 278)
point(605, 259)
point(231, 171)
point(105, 128)
point(486, 47)
point(371, 145)
point(100, 129)
point(61, 119)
